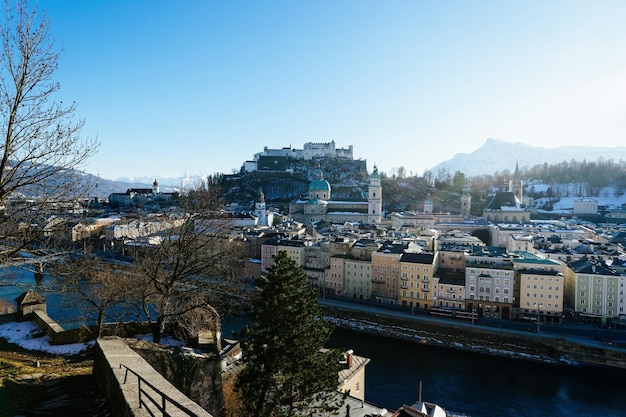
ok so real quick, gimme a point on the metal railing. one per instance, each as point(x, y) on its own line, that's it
point(160, 402)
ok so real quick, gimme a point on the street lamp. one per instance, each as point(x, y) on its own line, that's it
point(539, 305)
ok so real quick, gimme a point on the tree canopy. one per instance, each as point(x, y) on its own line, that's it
point(286, 372)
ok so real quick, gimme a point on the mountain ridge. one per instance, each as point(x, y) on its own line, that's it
point(499, 155)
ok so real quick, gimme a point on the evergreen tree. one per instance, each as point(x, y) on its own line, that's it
point(285, 371)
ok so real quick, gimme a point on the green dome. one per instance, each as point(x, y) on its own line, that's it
point(319, 185)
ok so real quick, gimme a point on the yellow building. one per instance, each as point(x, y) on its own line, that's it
point(416, 280)
point(386, 271)
point(539, 289)
point(352, 376)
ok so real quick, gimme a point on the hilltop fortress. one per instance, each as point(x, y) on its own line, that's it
point(311, 150)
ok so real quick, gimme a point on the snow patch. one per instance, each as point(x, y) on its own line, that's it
point(27, 335)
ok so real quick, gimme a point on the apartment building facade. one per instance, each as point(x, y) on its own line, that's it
point(416, 280)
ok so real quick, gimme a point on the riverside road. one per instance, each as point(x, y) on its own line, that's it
point(585, 334)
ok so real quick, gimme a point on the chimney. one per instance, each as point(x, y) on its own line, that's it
point(349, 358)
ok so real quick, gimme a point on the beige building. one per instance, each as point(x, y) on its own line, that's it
point(386, 272)
point(457, 238)
point(452, 256)
point(295, 249)
point(357, 279)
point(352, 376)
point(539, 289)
point(585, 206)
point(334, 275)
point(505, 207)
point(416, 280)
point(316, 262)
point(426, 220)
point(449, 291)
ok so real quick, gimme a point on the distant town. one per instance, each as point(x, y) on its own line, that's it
point(504, 264)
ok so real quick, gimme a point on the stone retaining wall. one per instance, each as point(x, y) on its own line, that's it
point(111, 352)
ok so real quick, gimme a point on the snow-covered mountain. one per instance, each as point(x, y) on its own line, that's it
point(498, 155)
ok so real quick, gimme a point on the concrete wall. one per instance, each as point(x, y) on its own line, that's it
point(50, 327)
point(111, 352)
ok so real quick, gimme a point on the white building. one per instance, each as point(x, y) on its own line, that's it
point(585, 206)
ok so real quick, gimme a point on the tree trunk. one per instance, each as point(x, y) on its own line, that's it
point(157, 329)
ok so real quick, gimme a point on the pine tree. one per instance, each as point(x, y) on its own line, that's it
point(285, 371)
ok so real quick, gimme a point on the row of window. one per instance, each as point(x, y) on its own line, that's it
point(415, 295)
point(556, 296)
point(487, 290)
point(598, 303)
point(556, 287)
point(549, 305)
point(497, 280)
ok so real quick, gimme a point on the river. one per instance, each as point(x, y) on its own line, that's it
point(479, 385)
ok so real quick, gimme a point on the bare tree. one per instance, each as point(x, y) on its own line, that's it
point(97, 290)
point(193, 268)
point(40, 138)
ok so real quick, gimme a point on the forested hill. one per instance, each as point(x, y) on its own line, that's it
point(290, 180)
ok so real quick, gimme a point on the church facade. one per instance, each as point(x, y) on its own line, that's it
point(319, 205)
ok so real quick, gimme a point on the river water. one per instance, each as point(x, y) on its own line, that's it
point(480, 385)
point(474, 384)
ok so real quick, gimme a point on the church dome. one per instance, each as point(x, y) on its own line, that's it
point(319, 183)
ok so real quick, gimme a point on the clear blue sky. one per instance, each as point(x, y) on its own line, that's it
point(197, 87)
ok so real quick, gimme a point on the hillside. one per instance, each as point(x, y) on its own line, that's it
point(348, 179)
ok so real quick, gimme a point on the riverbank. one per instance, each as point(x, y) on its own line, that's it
point(453, 334)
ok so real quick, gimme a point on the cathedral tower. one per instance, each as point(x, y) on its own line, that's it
point(516, 185)
point(466, 201)
point(259, 209)
point(374, 198)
